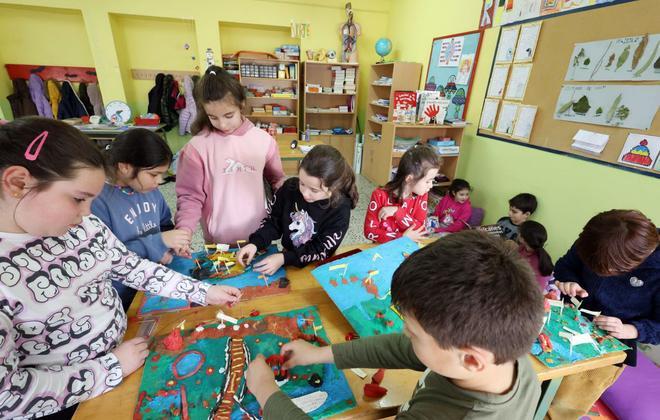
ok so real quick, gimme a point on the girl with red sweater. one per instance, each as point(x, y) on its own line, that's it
point(399, 208)
point(454, 209)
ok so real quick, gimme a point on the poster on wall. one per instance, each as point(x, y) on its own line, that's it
point(634, 58)
point(450, 52)
point(640, 150)
point(453, 78)
point(526, 47)
point(497, 81)
point(521, 10)
point(488, 114)
point(549, 7)
point(487, 13)
point(522, 128)
point(507, 45)
point(517, 85)
point(507, 118)
point(630, 106)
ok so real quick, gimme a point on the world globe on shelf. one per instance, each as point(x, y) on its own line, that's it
point(383, 47)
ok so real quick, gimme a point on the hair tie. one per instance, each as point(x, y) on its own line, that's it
point(39, 140)
point(212, 72)
point(108, 147)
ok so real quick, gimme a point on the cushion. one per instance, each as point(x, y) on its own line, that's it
point(635, 394)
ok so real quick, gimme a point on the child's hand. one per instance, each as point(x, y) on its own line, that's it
point(167, 258)
point(246, 254)
point(615, 327)
point(222, 295)
point(571, 288)
point(302, 353)
point(260, 380)
point(416, 234)
point(270, 264)
point(131, 354)
point(184, 252)
point(387, 211)
point(177, 238)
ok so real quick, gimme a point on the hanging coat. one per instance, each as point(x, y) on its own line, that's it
point(96, 99)
point(187, 114)
point(84, 98)
point(156, 94)
point(20, 101)
point(55, 96)
point(70, 105)
point(168, 115)
point(38, 96)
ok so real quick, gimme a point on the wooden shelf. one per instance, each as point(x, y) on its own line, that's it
point(271, 98)
point(267, 61)
point(272, 79)
point(379, 85)
point(309, 113)
point(271, 116)
point(428, 126)
point(333, 64)
point(330, 94)
point(376, 121)
point(377, 104)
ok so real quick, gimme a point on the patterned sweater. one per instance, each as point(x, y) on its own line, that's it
point(60, 316)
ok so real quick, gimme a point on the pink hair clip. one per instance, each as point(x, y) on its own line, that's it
point(33, 155)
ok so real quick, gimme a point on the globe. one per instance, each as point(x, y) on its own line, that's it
point(383, 47)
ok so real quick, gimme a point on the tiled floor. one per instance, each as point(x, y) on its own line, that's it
point(353, 236)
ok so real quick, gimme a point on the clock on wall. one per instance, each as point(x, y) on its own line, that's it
point(118, 112)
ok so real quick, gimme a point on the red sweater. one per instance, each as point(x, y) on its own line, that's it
point(452, 215)
point(411, 213)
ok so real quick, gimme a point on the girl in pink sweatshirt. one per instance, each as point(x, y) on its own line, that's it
point(221, 171)
point(455, 209)
point(531, 239)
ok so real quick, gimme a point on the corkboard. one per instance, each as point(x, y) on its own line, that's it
point(554, 50)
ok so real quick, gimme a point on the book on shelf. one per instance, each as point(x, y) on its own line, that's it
point(258, 110)
point(456, 123)
point(404, 107)
point(431, 107)
point(447, 150)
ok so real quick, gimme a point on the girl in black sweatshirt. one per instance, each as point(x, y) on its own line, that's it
point(311, 213)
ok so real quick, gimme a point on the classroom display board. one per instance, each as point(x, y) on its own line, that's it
point(204, 266)
point(583, 84)
point(451, 70)
point(204, 378)
point(360, 286)
point(568, 336)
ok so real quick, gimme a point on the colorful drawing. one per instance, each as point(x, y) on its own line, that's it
point(631, 106)
point(360, 286)
point(568, 337)
point(640, 150)
point(205, 378)
point(211, 268)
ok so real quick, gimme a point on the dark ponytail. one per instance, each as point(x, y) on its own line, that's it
point(535, 237)
point(216, 85)
point(417, 161)
point(326, 163)
point(140, 148)
point(64, 151)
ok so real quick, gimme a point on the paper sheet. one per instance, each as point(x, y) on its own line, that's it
point(529, 36)
point(522, 129)
point(507, 118)
point(498, 81)
point(518, 81)
point(488, 114)
point(507, 45)
point(640, 150)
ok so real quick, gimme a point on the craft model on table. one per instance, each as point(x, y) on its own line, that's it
point(218, 265)
point(360, 286)
point(568, 336)
point(199, 373)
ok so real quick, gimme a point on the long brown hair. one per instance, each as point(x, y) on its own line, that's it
point(216, 85)
point(535, 236)
point(417, 161)
point(616, 241)
point(326, 163)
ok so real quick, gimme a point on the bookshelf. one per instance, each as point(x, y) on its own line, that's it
point(330, 102)
point(272, 94)
point(382, 159)
point(384, 80)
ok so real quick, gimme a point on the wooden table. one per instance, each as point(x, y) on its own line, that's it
point(305, 291)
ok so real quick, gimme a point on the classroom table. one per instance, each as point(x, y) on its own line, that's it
point(305, 291)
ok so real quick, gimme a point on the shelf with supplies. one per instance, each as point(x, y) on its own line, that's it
point(331, 105)
point(263, 77)
point(385, 80)
point(381, 155)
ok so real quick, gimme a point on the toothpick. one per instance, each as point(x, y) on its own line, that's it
point(182, 325)
point(592, 313)
point(263, 276)
point(238, 243)
point(223, 317)
point(376, 256)
point(197, 262)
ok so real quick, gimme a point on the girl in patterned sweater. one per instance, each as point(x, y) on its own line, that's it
point(61, 321)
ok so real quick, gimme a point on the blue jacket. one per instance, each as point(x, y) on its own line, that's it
point(136, 219)
point(633, 297)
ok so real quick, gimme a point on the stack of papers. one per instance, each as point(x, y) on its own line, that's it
point(590, 142)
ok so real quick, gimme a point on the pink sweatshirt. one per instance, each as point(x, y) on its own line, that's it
point(532, 258)
point(452, 215)
point(220, 181)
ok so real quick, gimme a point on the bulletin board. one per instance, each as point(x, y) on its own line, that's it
point(550, 82)
point(451, 67)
